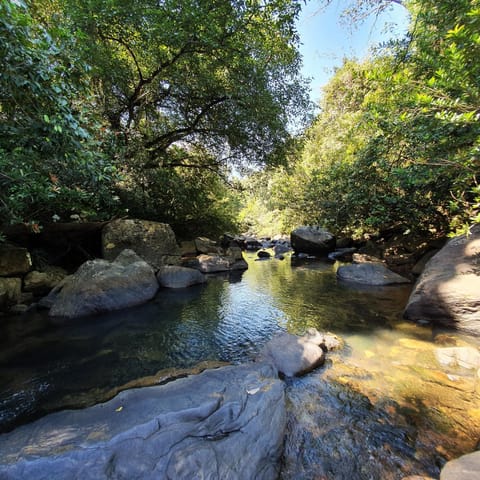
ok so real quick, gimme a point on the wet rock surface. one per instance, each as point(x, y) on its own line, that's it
point(226, 423)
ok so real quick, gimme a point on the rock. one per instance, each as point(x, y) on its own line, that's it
point(365, 258)
point(172, 276)
point(342, 254)
point(263, 254)
point(313, 240)
point(100, 286)
point(14, 261)
point(294, 356)
point(221, 424)
point(10, 292)
point(369, 274)
point(422, 262)
point(154, 242)
point(448, 291)
point(213, 263)
point(188, 249)
point(467, 467)
point(205, 245)
point(466, 357)
point(40, 283)
point(235, 258)
point(280, 248)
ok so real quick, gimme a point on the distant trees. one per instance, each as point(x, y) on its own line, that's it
point(397, 140)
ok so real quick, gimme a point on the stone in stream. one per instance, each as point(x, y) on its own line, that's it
point(312, 240)
point(100, 286)
point(448, 291)
point(375, 274)
point(294, 356)
point(171, 276)
point(221, 424)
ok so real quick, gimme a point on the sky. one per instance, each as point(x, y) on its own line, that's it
point(325, 41)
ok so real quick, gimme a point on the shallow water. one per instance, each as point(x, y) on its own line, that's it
point(387, 369)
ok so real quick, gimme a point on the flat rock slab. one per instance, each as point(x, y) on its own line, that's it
point(221, 424)
point(375, 274)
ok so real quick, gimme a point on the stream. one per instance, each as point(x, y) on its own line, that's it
point(381, 408)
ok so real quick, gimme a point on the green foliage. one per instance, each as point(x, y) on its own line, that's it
point(397, 141)
point(48, 164)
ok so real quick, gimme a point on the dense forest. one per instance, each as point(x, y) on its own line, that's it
point(194, 113)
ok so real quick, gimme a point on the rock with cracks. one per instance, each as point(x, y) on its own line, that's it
point(222, 424)
point(100, 286)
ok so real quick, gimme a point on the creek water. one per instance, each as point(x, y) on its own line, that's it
point(382, 407)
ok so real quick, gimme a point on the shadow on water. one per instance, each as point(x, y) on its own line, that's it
point(380, 409)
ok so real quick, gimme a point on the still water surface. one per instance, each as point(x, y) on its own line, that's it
point(47, 364)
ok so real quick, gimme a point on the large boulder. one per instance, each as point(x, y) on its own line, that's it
point(222, 424)
point(172, 276)
point(375, 274)
point(467, 467)
point(14, 261)
point(213, 263)
point(294, 356)
point(154, 242)
point(313, 240)
point(448, 291)
point(101, 286)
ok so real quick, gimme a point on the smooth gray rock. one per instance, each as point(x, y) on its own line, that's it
point(100, 286)
point(369, 274)
point(448, 291)
point(467, 467)
point(221, 424)
point(313, 240)
point(294, 356)
point(171, 276)
point(153, 241)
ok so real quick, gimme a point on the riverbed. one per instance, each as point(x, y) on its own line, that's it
point(382, 407)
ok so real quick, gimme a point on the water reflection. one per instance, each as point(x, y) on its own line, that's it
point(46, 366)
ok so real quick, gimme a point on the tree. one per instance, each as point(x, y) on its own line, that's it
point(48, 165)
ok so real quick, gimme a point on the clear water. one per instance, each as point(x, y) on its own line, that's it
point(47, 365)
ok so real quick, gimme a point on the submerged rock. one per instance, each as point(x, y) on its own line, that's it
point(100, 286)
point(370, 274)
point(227, 423)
